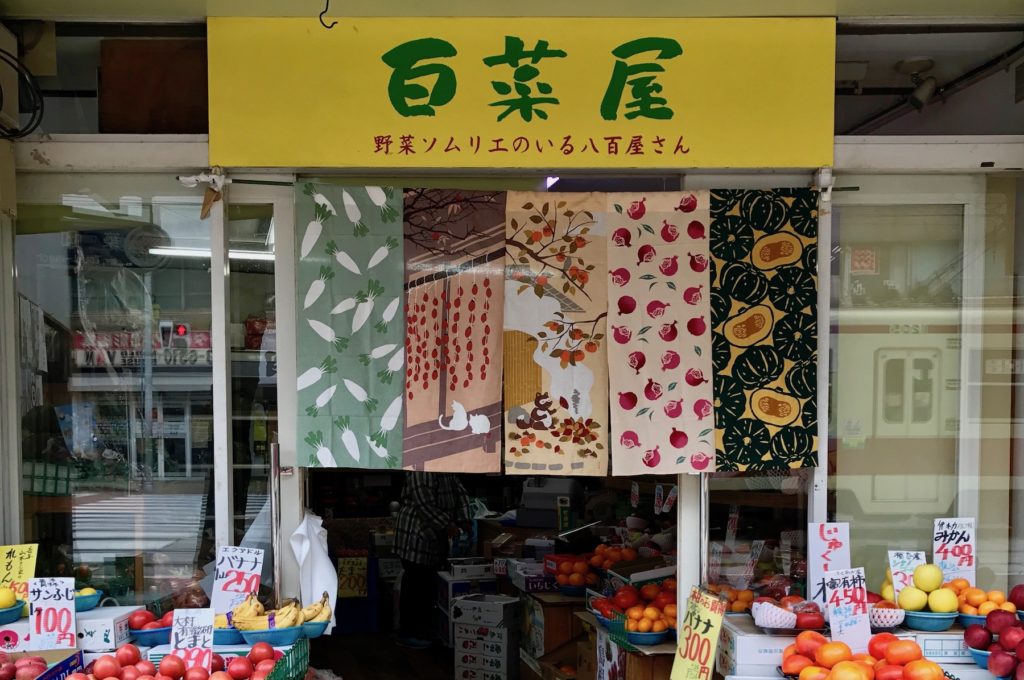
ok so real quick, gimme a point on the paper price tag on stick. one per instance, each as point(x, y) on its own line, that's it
point(698, 637)
point(659, 499)
point(847, 597)
point(953, 548)
point(238, 574)
point(902, 564)
point(52, 613)
point(192, 637)
point(17, 566)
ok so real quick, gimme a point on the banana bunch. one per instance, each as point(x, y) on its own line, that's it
point(287, 615)
point(318, 612)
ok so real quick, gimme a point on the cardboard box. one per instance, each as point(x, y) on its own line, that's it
point(61, 662)
point(529, 667)
point(548, 622)
point(471, 568)
point(744, 650)
point(640, 572)
point(465, 631)
point(551, 664)
point(614, 662)
point(449, 588)
point(464, 673)
point(586, 658)
point(504, 545)
point(502, 649)
point(496, 611)
point(103, 629)
point(946, 647)
point(99, 630)
point(529, 577)
point(493, 664)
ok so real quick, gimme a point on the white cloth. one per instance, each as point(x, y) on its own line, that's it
point(316, 571)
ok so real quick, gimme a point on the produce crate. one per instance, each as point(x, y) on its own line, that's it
point(294, 663)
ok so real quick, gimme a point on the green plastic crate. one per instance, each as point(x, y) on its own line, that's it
point(294, 663)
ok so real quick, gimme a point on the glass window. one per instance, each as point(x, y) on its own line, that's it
point(115, 382)
point(925, 372)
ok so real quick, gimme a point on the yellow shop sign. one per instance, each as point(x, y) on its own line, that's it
point(521, 93)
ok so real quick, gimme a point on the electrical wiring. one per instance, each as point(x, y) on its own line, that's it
point(35, 98)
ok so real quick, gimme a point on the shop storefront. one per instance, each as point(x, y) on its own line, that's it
point(202, 326)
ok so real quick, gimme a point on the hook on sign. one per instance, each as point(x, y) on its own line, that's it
point(327, 6)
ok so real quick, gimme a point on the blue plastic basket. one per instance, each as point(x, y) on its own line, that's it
point(314, 630)
point(84, 603)
point(980, 657)
point(152, 637)
point(647, 638)
point(970, 619)
point(276, 637)
point(227, 636)
point(929, 621)
point(12, 614)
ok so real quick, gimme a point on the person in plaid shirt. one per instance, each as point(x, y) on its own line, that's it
point(435, 508)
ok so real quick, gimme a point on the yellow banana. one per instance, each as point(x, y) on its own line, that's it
point(288, 617)
point(313, 611)
point(252, 622)
point(324, 615)
point(221, 621)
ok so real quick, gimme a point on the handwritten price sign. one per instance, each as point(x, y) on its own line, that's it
point(352, 577)
point(828, 550)
point(192, 637)
point(17, 566)
point(847, 597)
point(954, 549)
point(238, 574)
point(698, 638)
point(902, 564)
point(51, 613)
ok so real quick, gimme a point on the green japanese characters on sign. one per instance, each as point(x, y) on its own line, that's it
point(404, 60)
point(417, 89)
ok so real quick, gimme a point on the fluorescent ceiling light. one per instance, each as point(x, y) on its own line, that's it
point(204, 253)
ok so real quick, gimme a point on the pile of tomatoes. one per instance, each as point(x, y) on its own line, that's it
point(143, 619)
point(814, 657)
point(648, 609)
point(127, 664)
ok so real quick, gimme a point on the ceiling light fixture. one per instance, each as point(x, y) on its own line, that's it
point(924, 88)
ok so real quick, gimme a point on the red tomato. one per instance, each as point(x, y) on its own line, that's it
point(146, 667)
point(197, 673)
point(888, 672)
point(77, 676)
point(259, 675)
point(130, 673)
point(221, 675)
point(266, 665)
point(902, 652)
point(106, 667)
point(810, 620)
point(794, 663)
point(140, 618)
point(790, 600)
point(261, 651)
point(168, 619)
point(172, 666)
point(878, 643)
point(650, 591)
point(217, 664)
point(624, 599)
point(665, 597)
point(153, 625)
point(240, 668)
point(128, 655)
point(146, 677)
point(161, 677)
